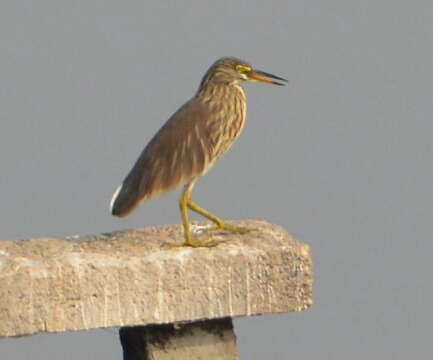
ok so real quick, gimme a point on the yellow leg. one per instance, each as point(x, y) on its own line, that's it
point(220, 224)
point(183, 204)
point(186, 203)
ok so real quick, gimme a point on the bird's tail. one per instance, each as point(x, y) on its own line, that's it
point(124, 200)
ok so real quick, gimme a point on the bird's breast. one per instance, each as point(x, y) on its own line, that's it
point(227, 122)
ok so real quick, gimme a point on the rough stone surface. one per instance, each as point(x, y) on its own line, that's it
point(135, 277)
point(210, 339)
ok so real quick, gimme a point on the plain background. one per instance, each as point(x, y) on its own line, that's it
point(342, 157)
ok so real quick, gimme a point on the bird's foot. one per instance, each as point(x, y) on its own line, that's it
point(201, 238)
point(225, 226)
point(196, 242)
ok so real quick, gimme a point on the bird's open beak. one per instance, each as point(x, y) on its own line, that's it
point(257, 75)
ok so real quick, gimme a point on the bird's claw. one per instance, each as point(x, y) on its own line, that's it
point(224, 226)
point(196, 244)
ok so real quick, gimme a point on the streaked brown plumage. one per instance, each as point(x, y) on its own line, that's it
point(191, 141)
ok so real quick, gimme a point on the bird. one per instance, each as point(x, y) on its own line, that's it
point(192, 140)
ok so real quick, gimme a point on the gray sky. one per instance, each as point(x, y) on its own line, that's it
point(342, 157)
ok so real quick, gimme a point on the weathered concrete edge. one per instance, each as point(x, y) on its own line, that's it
point(259, 289)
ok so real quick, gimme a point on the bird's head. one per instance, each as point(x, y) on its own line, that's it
point(230, 69)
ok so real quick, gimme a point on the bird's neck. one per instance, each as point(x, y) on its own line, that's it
point(221, 92)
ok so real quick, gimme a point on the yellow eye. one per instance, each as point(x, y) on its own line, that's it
point(243, 68)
